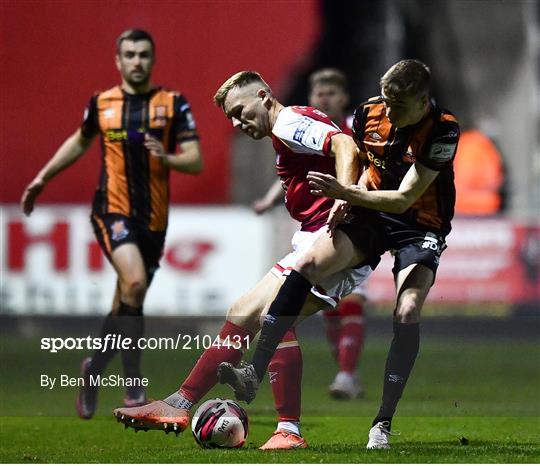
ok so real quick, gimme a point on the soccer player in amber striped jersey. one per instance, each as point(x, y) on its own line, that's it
point(405, 203)
point(145, 131)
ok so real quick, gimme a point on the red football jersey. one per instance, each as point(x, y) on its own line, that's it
point(301, 138)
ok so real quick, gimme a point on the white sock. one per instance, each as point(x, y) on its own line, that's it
point(178, 401)
point(290, 426)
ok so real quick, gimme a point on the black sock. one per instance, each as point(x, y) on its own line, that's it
point(281, 316)
point(400, 361)
point(131, 325)
point(100, 358)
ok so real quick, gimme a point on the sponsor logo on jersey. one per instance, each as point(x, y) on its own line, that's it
point(301, 129)
point(119, 230)
point(380, 163)
point(116, 135)
point(133, 135)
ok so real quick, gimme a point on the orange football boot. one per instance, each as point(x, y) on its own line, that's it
point(156, 415)
point(284, 440)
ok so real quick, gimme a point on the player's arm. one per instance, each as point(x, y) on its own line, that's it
point(69, 152)
point(187, 160)
point(274, 194)
point(413, 185)
point(345, 151)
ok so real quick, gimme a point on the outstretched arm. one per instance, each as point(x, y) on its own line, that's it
point(274, 194)
point(188, 160)
point(413, 185)
point(70, 151)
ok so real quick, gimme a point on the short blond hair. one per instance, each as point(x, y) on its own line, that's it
point(407, 77)
point(240, 79)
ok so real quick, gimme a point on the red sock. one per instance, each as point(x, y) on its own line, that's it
point(203, 376)
point(285, 376)
point(332, 327)
point(351, 314)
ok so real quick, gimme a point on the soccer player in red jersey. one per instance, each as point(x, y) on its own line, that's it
point(304, 139)
point(404, 203)
point(344, 325)
point(145, 131)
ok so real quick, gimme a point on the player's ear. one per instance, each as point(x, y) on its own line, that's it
point(117, 61)
point(264, 95)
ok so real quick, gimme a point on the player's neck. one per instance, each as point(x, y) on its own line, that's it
point(273, 114)
point(143, 88)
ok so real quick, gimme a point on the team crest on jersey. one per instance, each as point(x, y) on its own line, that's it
point(119, 230)
point(160, 115)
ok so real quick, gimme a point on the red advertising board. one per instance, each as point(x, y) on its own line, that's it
point(487, 260)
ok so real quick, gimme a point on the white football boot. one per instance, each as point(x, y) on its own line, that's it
point(345, 387)
point(378, 438)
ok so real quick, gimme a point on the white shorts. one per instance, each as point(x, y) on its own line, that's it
point(332, 288)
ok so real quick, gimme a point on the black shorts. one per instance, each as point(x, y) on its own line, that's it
point(113, 230)
point(373, 233)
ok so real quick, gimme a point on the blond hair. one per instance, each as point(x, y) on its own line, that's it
point(406, 78)
point(240, 79)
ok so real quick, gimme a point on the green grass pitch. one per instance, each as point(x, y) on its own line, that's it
point(485, 392)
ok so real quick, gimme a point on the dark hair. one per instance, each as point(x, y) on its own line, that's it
point(406, 77)
point(134, 35)
point(328, 76)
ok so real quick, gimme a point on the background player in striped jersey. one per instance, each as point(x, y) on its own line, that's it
point(410, 143)
point(140, 126)
point(344, 325)
point(304, 138)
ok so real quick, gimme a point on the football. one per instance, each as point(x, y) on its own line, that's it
point(220, 423)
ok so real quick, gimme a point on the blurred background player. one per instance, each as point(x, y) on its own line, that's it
point(140, 126)
point(344, 325)
point(250, 105)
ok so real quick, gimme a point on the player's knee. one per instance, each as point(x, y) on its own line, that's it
point(244, 317)
point(407, 311)
point(133, 289)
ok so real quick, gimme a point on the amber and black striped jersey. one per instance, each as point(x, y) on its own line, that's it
point(132, 182)
point(391, 151)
